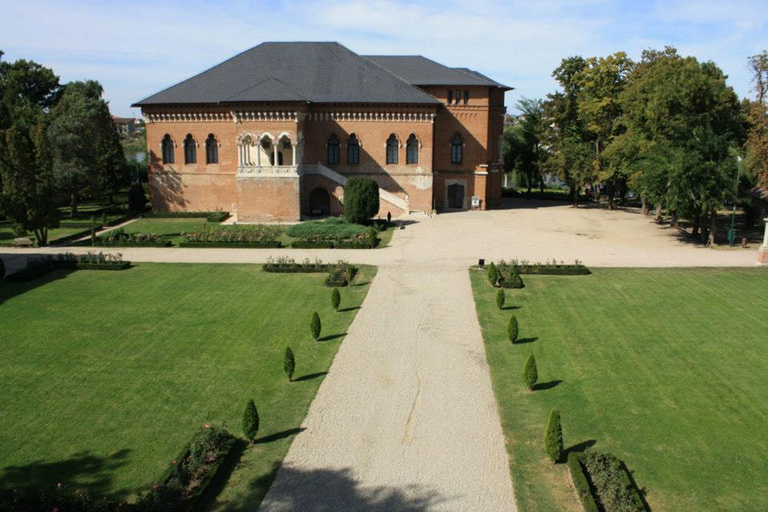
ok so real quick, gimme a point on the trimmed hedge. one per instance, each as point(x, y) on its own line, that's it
point(38, 267)
point(312, 245)
point(550, 268)
point(209, 216)
point(581, 482)
point(610, 482)
point(333, 245)
point(227, 245)
point(511, 281)
point(340, 275)
point(289, 265)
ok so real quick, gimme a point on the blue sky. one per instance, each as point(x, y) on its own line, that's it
point(137, 47)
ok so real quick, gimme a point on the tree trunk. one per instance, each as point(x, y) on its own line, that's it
point(646, 210)
point(611, 193)
point(673, 219)
point(712, 228)
point(528, 179)
point(575, 196)
point(696, 226)
point(658, 211)
point(541, 184)
point(73, 205)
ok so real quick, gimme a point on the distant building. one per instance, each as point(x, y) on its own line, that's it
point(124, 125)
point(274, 132)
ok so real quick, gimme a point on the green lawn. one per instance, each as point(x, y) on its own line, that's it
point(666, 368)
point(106, 375)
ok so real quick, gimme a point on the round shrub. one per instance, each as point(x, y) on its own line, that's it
point(361, 200)
point(335, 299)
point(289, 363)
point(513, 329)
point(501, 298)
point(493, 274)
point(530, 373)
point(251, 421)
point(553, 437)
point(314, 326)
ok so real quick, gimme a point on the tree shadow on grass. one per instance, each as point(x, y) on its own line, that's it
point(350, 309)
point(323, 490)
point(279, 435)
point(310, 376)
point(579, 447)
point(522, 341)
point(84, 470)
point(543, 386)
point(231, 462)
point(361, 283)
point(332, 337)
point(509, 308)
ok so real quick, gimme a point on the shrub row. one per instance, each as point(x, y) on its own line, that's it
point(119, 238)
point(259, 234)
point(333, 233)
point(546, 268)
point(613, 488)
point(335, 244)
point(226, 245)
point(209, 216)
point(37, 267)
point(510, 280)
point(581, 482)
point(289, 265)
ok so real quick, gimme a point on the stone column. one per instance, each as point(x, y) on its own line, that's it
point(275, 152)
point(762, 253)
point(293, 156)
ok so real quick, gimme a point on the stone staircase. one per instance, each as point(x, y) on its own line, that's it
point(342, 180)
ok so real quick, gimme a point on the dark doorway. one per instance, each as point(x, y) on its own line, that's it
point(319, 202)
point(455, 196)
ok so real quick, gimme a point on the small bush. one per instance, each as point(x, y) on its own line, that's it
point(314, 326)
point(530, 373)
point(493, 274)
point(251, 421)
point(501, 298)
point(335, 299)
point(513, 330)
point(361, 200)
point(553, 437)
point(289, 363)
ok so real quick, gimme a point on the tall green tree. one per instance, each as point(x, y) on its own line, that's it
point(27, 193)
point(757, 141)
point(600, 83)
point(686, 121)
point(524, 151)
point(88, 158)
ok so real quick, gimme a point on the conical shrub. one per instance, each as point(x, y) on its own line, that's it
point(289, 363)
point(493, 274)
point(553, 437)
point(501, 298)
point(530, 373)
point(513, 330)
point(314, 326)
point(251, 421)
point(335, 299)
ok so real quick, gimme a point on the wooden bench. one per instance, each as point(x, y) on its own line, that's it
point(23, 242)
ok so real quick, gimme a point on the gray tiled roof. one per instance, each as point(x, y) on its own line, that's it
point(297, 71)
point(418, 70)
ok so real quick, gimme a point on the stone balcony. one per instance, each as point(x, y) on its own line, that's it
point(268, 171)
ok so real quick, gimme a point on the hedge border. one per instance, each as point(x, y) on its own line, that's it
point(227, 245)
point(581, 483)
point(25, 275)
point(331, 245)
point(209, 216)
point(164, 243)
point(544, 270)
point(295, 269)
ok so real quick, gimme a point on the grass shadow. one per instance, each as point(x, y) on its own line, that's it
point(547, 385)
point(279, 435)
point(522, 341)
point(332, 337)
point(310, 376)
point(231, 462)
point(345, 310)
point(362, 283)
point(509, 308)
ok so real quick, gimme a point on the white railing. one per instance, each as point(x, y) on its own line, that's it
point(287, 171)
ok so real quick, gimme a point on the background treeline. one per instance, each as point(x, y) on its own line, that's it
point(58, 146)
point(668, 128)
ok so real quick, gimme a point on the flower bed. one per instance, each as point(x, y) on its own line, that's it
point(37, 267)
point(227, 245)
point(119, 238)
point(332, 233)
point(233, 236)
point(289, 265)
point(546, 268)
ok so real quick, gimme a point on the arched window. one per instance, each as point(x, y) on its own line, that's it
point(333, 150)
point(450, 96)
point(190, 150)
point(457, 149)
point(353, 150)
point(167, 145)
point(412, 150)
point(211, 150)
point(458, 96)
point(392, 147)
point(466, 96)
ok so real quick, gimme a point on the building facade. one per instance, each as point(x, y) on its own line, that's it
point(273, 133)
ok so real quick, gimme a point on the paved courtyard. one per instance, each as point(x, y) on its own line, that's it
point(407, 411)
